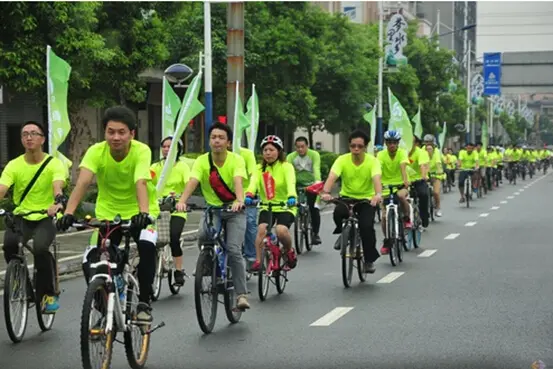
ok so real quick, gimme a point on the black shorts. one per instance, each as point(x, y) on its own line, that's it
point(284, 218)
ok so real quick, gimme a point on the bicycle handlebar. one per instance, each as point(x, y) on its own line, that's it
point(94, 223)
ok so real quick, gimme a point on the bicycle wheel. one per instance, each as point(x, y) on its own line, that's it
point(205, 289)
point(45, 321)
point(416, 233)
point(306, 231)
point(347, 256)
point(96, 345)
point(431, 203)
point(392, 239)
point(359, 257)
point(297, 235)
point(281, 278)
point(136, 338)
point(468, 190)
point(229, 297)
point(16, 300)
point(263, 278)
point(158, 277)
point(170, 268)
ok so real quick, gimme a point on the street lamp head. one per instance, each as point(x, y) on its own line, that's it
point(178, 73)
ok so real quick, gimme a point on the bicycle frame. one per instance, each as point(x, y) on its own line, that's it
point(393, 205)
point(274, 248)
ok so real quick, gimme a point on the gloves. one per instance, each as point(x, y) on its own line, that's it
point(65, 222)
point(61, 199)
point(248, 201)
point(291, 202)
point(141, 220)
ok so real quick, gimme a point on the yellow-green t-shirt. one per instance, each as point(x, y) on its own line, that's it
point(435, 164)
point(451, 161)
point(251, 164)
point(468, 161)
point(418, 158)
point(391, 168)
point(482, 158)
point(233, 167)
point(178, 178)
point(284, 175)
point(357, 180)
point(117, 180)
point(19, 173)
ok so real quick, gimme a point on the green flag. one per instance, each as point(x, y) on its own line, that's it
point(442, 136)
point(399, 121)
point(253, 115)
point(370, 118)
point(484, 136)
point(418, 125)
point(241, 122)
point(57, 73)
point(191, 107)
point(170, 107)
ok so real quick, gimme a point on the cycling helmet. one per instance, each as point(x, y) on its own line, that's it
point(378, 148)
point(272, 139)
point(179, 143)
point(430, 139)
point(392, 135)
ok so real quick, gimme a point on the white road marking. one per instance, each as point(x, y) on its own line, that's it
point(470, 224)
point(390, 277)
point(504, 202)
point(516, 193)
point(494, 208)
point(331, 317)
point(452, 236)
point(510, 197)
point(521, 190)
point(483, 215)
point(426, 253)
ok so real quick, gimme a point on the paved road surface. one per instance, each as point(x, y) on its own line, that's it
point(481, 298)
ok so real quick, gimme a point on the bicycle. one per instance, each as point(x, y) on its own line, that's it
point(414, 237)
point(274, 267)
point(395, 233)
point(19, 288)
point(118, 307)
point(213, 263)
point(467, 185)
point(431, 201)
point(164, 258)
point(351, 249)
point(302, 224)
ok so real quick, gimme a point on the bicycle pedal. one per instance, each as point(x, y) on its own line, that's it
point(152, 330)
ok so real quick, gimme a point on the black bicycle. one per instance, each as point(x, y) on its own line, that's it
point(20, 291)
point(302, 224)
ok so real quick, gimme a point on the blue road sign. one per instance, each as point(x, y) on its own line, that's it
point(492, 74)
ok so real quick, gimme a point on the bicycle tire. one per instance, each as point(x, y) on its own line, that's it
point(172, 287)
point(281, 279)
point(347, 259)
point(359, 257)
point(158, 277)
point(45, 321)
point(263, 279)
point(16, 268)
point(468, 189)
point(136, 359)
point(297, 236)
point(306, 231)
point(431, 203)
point(206, 266)
point(91, 297)
point(229, 299)
point(392, 239)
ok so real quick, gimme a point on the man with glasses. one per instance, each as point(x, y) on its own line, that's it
point(45, 193)
point(360, 175)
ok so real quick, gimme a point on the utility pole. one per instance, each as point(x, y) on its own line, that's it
point(379, 125)
point(208, 118)
point(235, 56)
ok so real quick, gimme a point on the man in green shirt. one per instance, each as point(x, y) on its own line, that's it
point(307, 163)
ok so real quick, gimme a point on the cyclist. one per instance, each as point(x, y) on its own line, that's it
point(436, 169)
point(220, 174)
point(360, 173)
point(393, 161)
point(491, 161)
point(177, 180)
point(483, 163)
point(307, 163)
point(418, 161)
point(275, 181)
point(44, 193)
point(451, 164)
point(121, 166)
point(468, 160)
point(251, 211)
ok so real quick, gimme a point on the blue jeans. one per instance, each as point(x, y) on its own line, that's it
point(251, 233)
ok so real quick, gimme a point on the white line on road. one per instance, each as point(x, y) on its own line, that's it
point(494, 208)
point(504, 202)
point(510, 197)
point(452, 236)
point(331, 317)
point(390, 277)
point(483, 215)
point(426, 253)
point(516, 193)
point(521, 190)
point(470, 224)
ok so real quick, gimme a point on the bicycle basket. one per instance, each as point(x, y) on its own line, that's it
point(163, 227)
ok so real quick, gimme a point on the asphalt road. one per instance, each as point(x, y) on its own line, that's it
point(480, 296)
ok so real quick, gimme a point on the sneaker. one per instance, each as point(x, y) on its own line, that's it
point(291, 256)
point(369, 268)
point(338, 244)
point(316, 240)
point(384, 250)
point(178, 277)
point(255, 266)
point(50, 304)
point(438, 213)
point(144, 313)
point(242, 302)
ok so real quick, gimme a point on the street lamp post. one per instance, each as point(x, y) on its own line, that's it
point(208, 119)
point(379, 117)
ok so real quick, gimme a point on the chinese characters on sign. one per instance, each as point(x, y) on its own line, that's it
point(396, 39)
point(492, 74)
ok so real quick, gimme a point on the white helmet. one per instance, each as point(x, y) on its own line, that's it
point(272, 139)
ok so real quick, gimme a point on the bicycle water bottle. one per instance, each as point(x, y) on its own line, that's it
point(273, 239)
point(120, 284)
